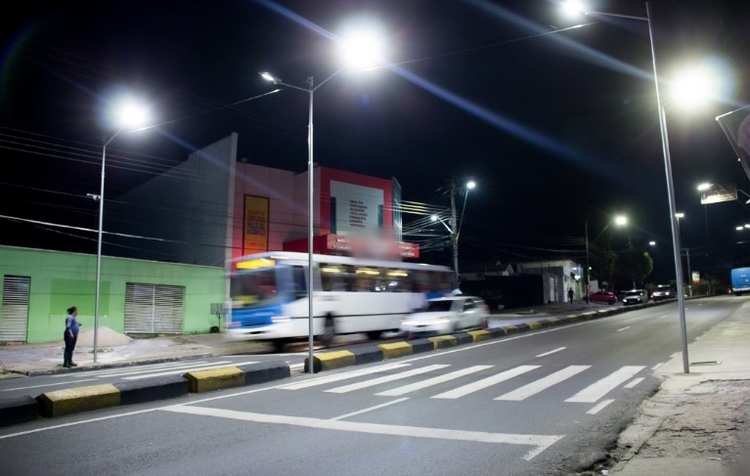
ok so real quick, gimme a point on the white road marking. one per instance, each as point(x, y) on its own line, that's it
point(533, 388)
point(599, 407)
point(597, 390)
point(486, 382)
point(341, 376)
point(539, 442)
point(433, 381)
point(386, 378)
point(634, 382)
point(623, 329)
point(657, 366)
point(119, 371)
point(376, 407)
point(188, 369)
point(551, 352)
point(48, 384)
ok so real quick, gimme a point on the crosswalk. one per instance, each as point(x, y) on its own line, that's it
point(405, 378)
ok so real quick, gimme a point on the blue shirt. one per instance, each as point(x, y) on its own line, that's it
point(72, 323)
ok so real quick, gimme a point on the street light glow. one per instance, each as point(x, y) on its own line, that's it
point(621, 220)
point(362, 45)
point(704, 186)
point(694, 87)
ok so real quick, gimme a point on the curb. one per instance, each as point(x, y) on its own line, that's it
point(25, 409)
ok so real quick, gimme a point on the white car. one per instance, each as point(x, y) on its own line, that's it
point(447, 314)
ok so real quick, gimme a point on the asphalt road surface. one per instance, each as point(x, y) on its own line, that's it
point(544, 402)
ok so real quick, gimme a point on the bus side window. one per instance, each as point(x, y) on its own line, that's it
point(300, 282)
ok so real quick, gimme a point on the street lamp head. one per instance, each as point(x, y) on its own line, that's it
point(621, 220)
point(269, 77)
point(694, 87)
point(362, 45)
point(130, 114)
point(679, 215)
point(573, 8)
point(704, 186)
point(434, 218)
point(471, 184)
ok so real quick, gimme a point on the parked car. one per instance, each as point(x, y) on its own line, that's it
point(662, 291)
point(447, 314)
point(603, 296)
point(635, 296)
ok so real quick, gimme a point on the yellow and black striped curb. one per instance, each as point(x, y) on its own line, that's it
point(26, 408)
point(376, 353)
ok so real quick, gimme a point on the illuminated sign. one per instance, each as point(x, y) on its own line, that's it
point(255, 225)
point(256, 263)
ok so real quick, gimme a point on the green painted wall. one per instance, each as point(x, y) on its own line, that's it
point(60, 280)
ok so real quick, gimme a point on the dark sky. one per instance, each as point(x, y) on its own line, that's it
point(558, 126)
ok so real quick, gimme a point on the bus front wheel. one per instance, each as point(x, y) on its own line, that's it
point(374, 335)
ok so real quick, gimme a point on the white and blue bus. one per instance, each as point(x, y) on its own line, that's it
point(269, 298)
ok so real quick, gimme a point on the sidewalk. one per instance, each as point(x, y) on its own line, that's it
point(697, 424)
point(115, 349)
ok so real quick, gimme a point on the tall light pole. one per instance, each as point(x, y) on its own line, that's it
point(670, 183)
point(129, 116)
point(366, 44)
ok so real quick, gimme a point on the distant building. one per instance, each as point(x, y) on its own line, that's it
point(526, 284)
point(214, 207)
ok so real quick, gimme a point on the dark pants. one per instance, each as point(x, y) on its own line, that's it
point(70, 345)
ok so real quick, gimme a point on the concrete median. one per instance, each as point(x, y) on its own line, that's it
point(214, 379)
point(74, 400)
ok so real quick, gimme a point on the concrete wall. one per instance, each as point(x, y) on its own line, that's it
point(182, 215)
point(60, 280)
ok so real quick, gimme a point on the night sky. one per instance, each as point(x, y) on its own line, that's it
point(558, 126)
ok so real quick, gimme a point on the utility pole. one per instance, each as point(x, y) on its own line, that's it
point(454, 233)
point(588, 275)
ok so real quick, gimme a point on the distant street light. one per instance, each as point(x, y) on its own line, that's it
point(128, 116)
point(619, 220)
point(362, 51)
point(455, 227)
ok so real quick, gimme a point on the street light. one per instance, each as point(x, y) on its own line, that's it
point(457, 227)
point(128, 116)
point(619, 220)
point(668, 172)
point(370, 51)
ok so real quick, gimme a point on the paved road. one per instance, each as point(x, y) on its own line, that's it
point(530, 404)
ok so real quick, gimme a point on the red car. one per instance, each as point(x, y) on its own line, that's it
point(603, 296)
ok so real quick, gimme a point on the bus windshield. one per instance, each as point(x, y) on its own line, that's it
point(255, 288)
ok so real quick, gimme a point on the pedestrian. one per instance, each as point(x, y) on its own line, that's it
point(71, 336)
point(570, 295)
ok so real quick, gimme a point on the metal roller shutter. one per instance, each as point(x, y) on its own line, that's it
point(153, 309)
point(15, 313)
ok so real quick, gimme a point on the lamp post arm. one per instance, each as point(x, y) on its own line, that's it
point(327, 79)
point(617, 15)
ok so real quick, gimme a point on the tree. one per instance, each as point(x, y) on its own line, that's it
point(602, 261)
point(635, 265)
